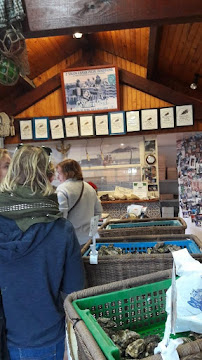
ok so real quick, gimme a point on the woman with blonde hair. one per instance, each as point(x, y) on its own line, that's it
point(39, 258)
point(4, 163)
point(77, 199)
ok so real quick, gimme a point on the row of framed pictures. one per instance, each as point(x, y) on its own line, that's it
point(113, 123)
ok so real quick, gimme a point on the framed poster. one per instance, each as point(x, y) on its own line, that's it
point(101, 124)
point(167, 118)
point(90, 89)
point(57, 130)
point(184, 115)
point(117, 123)
point(41, 128)
point(133, 121)
point(71, 126)
point(86, 125)
point(26, 132)
point(149, 119)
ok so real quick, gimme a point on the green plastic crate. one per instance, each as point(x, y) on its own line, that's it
point(141, 309)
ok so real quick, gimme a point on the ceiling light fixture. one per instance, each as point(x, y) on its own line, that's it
point(194, 84)
point(77, 35)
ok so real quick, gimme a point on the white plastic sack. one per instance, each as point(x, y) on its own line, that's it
point(183, 303)
point(189, 293)
point(135, 209)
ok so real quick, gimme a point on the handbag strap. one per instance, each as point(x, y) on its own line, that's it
point(79, 198)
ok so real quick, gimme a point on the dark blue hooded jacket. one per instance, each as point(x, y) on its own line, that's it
point(34, 267)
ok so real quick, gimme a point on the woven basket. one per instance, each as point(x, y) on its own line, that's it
point(88, 349)
point(141, 230)
point(115, 268)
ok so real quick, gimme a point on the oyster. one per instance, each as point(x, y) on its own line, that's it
point(193, 357)
point(124, 337)
point(109, 250)
point(161, 248)
point(135, 348)
point(106, 323)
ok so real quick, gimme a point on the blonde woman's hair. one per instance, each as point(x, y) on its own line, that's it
point(3, 152)
point(28, 167)
point(71, 169)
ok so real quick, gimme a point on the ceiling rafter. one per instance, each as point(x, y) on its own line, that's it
point(153, 53)
point(101, 15)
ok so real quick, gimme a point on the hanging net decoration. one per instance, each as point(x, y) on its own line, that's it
point(9, 71)
point(12, 42)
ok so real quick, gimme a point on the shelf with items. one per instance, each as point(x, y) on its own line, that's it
point(129, 201)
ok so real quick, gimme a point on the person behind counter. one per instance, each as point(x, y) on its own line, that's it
point(39, 257)
point(77, 199)
point(4, 163)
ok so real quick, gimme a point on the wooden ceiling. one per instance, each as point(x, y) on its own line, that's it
point(167, 42)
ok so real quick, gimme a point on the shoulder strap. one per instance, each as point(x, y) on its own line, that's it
point(79, 198)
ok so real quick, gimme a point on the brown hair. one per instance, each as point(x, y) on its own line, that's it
point(50, 170)
point(71, 169)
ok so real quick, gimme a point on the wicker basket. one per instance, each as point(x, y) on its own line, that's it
point(115, 268)
point(143, 228)
point(87, 346)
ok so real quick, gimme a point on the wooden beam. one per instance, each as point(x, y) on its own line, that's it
point(153, 53)
point(31, 97)
point(47, 18)
point(160, 91)
point(23, 102)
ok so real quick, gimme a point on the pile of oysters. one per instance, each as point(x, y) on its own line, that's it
point(159, 248)
point(131, 345)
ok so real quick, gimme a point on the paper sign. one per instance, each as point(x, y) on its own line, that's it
point(93, 225)
point(140, 189)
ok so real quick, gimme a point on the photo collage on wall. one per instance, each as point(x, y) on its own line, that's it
point(189, 161)
point(111, 123)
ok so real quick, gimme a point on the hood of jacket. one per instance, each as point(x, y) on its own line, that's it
point(14, 243)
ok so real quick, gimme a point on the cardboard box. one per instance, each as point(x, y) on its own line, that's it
point(166, 196)
point(171, 173)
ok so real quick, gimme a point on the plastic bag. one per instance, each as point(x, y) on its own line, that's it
point(183, 303)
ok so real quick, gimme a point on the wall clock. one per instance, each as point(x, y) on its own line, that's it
point(150, 159)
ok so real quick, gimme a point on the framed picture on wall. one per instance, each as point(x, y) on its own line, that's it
point(149, 119)
point(71, 126)
point(57, 130)
point(26, 132)
point(132, 121)
point(101, 124)
point(86, 125)
point(117, 123)
point(167, 118)
point(41, 128)
point(90, 89)
point(184, 115)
